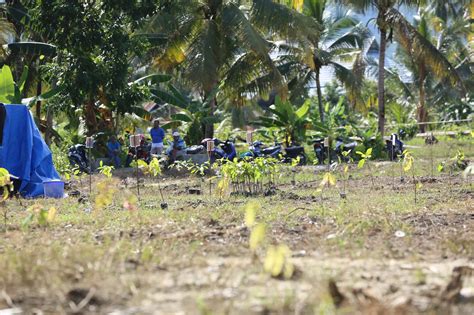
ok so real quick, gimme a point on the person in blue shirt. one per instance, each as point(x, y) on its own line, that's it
point(157, 135)
point(177, 148)
point(113, 151)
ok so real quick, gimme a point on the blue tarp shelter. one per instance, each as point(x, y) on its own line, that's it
point(23, 151)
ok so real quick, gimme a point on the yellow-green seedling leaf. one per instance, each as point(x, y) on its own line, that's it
point(257, 236)
point(360, 153)
point(155, 167)
point(277, 262)
point(419, 185)
point(368, 154)
point(43, 217)
point(106, 190)
point(295, 162)
point(51, 214)
point(4, 177)
point(142, 164)
point(328, 178)
point(298, 5)
point(346, 169)
point(440, 167)
point(361, 163)
point(407, 163)
point(222, 186)
point(331, 179)
point(251, 209)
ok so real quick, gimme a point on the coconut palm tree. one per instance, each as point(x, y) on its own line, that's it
point(342, 39)
point(392, 24)
point(206, 38)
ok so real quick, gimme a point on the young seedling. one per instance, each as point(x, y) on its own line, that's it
point(294, 163)
point(105, 170)
point(277, 262)
point(277, 259)
point(257, 230)
point(328, 180)
point(154, 169)
point(345, 172)
point(43, 216)
point(7, 185)
point(364, 160)
point(408, 164)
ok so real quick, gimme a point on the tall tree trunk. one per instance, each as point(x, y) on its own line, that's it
point(90, 117)
point(320, 96)
point(421, 111)
point(49, 127)
point(381, 80)
point(209, 127)
point(39, 87)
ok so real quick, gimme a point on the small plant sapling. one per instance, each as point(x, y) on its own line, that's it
point(43, 216)
point(345, 172)
point(328, 180)
point(105, 170)
point(153, 169)
point(456, 163)
point(7, 185)
point(294, 164)
point(247, 176)
point(277, 262)
point(364, 160)
point(257, 230)
point(408, 164)
point(105, 197)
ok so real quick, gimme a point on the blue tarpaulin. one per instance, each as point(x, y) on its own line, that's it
point(24, 153)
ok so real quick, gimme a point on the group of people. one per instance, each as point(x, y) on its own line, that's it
point(175, 150)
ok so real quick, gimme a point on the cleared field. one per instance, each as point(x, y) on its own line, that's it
point(374, 252)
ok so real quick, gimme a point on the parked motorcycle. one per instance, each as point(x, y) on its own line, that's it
point(141, 152)
point(77, 156)
point(394, 147)
point(276, 151)
point(343, 147)
point(321, 151)
point(222, 149)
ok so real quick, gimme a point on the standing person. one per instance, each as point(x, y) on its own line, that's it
point(113, 151)
point(157, 135)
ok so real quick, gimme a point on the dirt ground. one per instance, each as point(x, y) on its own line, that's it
point(374, 252)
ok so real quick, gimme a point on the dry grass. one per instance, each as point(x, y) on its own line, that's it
point(193, 257)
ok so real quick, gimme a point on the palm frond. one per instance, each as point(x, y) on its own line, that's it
point(280, 19)
point(421, 49)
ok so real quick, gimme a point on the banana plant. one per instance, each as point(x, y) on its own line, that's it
point(335, 118)
point(193, 114)
point(293, 122)
point(11, 91)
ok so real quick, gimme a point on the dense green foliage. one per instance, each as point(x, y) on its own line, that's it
point(222, 58)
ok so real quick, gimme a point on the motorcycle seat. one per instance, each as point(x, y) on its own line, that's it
point(350, 146)
point(295, 150)
point(270, 150)
point(195, 149)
